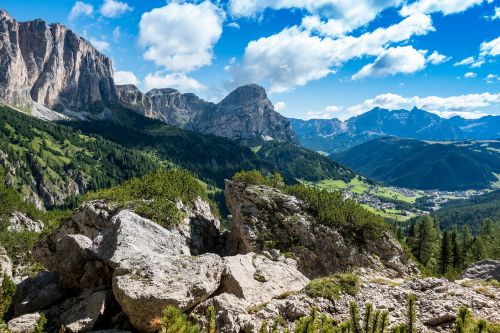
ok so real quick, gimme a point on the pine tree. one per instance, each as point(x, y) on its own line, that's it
point(446, 257)
point(424, 243)
point(368, 317)
point(355, 324)
point(412, 314)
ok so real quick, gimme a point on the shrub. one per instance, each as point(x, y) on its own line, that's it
point(252, 177)
point(333, 286)
point(155, 196)
point(175, 321)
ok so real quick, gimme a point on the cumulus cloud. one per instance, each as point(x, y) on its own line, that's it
point(491, 48)
point(496, 16)
point(80, 9)
point(234, 25)
point(403, 59)
point(124, 77)
point(101, 45)
point(280, 106)
point(181, 82)
point(113, 8)
point(470, 61)
point(467, 106)
point(293, 57)
point(470, 75)
point(432, 6)
point(328, 17)
point(436, 58)
point(490, 78)
point(181, 36)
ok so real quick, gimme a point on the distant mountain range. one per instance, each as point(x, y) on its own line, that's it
point(424, 165)
point(333, 135)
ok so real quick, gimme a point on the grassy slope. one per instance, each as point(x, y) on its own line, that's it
point(417, 164)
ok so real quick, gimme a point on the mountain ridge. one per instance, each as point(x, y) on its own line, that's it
point(332, 135)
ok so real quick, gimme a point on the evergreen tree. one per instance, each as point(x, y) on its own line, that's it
point(446, 257)
point(425, 240)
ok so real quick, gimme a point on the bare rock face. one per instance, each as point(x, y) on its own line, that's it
point(5, 264)
point(246, 113)
point(52, 66)
point(263, 218)
point(20, 222)
point(484, 270)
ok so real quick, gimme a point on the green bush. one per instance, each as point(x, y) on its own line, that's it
point(154, 196)
point(175, 321)
point(333, 286)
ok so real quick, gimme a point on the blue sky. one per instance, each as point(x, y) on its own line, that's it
point(316, 58)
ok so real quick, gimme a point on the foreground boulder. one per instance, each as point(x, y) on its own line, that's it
point(484, 269)
point(263, 218)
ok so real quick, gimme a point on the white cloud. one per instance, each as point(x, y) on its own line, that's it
point(470, 75)
point(80, 9)
point(124, 77)
point(436, 58)
point(181, 36)
point(101, 45)
point(294, 57)
point(467, 106)
point(234, 25)
point(113, 8)
point(491, 48)
point(474, 63)
point(181, 82)
point(117, 32)
point(280, 106)
point(492, 78)
point(497, 14)
point(403, 59)
point(446, 7)
point(328, 17)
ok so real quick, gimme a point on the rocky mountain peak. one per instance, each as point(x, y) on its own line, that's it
point(245, 95)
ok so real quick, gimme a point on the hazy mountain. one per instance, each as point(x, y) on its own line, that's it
point(332, 135)
point(418, 164)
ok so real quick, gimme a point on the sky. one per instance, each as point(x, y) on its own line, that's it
point(316, 58)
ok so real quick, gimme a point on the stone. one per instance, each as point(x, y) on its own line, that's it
point(263, 218)
point(149, 284)
point(24, 324)
point(129, 238)
point(5, 264)
point(21, 222)
point(37, 293)
point(485, 270)
point(258, 279)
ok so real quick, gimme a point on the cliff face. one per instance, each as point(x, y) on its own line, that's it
point(246, 113)
point(52, 66)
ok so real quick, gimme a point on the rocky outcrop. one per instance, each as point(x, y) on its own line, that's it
point(263, 218)
point(25, 323)
point(52, 66)
point(484, 270)
point(246, 113)
point(21, 222)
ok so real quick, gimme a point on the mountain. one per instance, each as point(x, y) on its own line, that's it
point(50, 66)
point(426, 165)
point(51, 164)
point(332, 135)
point(471, 212)
point(246, 113)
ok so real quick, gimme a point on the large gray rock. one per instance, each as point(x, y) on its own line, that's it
point(263, 218)
point(5, 264)
point(50, 65)
point(24, 324)
point(485, 270)
point(37, 293)
point(149, 284)
point(81, 313)
point(258, 279)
